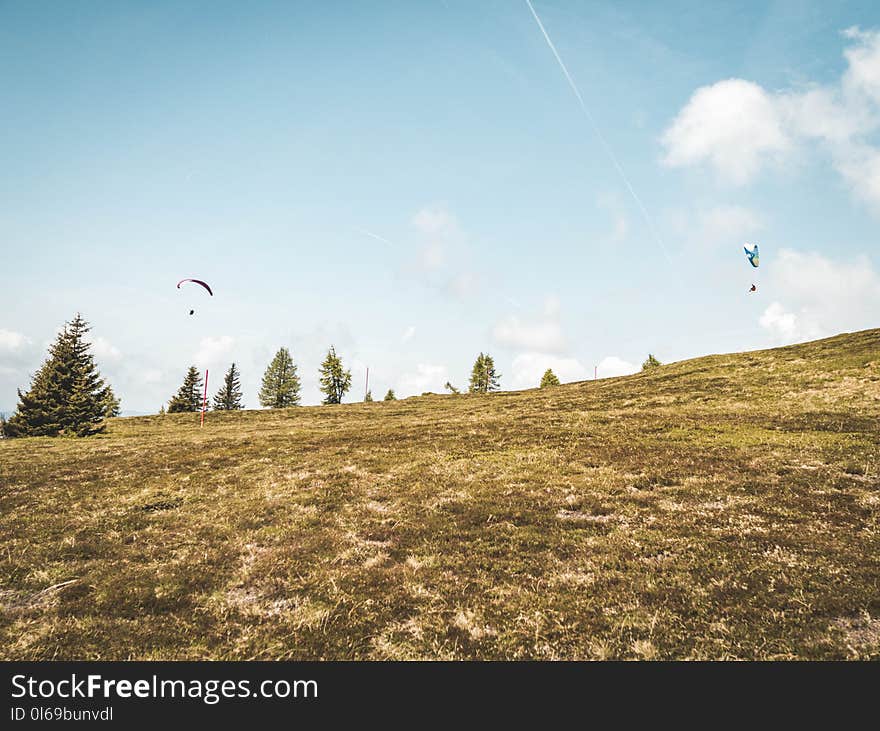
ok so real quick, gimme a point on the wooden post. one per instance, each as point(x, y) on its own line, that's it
point(367, 387)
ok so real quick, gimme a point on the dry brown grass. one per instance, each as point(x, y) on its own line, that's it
point(724, 507)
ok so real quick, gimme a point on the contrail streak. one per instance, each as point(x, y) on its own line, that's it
point(374, 236)
point(605, 145)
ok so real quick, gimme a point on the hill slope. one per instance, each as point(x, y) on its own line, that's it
point(723, 507)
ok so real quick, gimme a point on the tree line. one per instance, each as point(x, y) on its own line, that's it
point(69, 397)
point(281, 386)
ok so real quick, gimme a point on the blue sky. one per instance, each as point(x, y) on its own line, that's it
point(416, 183)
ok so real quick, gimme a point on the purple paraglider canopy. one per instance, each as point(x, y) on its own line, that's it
point(197, 281)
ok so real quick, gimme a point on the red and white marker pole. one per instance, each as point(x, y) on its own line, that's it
point(205, 400)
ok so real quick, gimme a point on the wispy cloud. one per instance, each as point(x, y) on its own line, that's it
point(444, 253)
point(426, 377)
point(543, 333)
point(11, 341)
point(104, 350)
point(214, 350)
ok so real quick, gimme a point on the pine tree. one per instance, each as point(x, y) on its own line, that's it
point(369, 397)
point(483, 375)
point(112, 405)
point(335, 380)
point(67, 394)
point(281, 384)
point(189, 396)
point(477, 372)
point(651, 362)
point(390, 395)
point(549, 379)
point(228, 398)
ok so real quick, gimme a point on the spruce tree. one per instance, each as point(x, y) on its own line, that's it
point(390, 395)
point(112, 405)
point(549, 379)
point(67, 394)
point(651, 362)
point(228, 398)
point(281, 384)
point(476, 383)
point(189, 396)
point(484, 378)
point(335, 380)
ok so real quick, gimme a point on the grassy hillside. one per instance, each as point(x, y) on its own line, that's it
point(723, 507)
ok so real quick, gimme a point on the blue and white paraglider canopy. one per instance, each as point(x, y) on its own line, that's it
point(753, 255)
point(754, 260)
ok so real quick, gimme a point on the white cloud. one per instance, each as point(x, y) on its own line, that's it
point(12, 341)
point(408, 334)
point(527, 369)
point(783, 325)
point(718, 226)
point(863, 63)
point(213, 350)
point(823, 114)
point(152, 376)
point(105, 350)
point(611, 366)
point(543, 334)
point(860, 167)
point(443, 255)
point(427, 377)
point(724, 223)
point(463, 284)
point(736, 127)
point(733, 126)
point(440, 232)
point(816, 296)
point(433, 220)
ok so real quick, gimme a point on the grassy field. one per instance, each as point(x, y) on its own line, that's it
point(723, 507)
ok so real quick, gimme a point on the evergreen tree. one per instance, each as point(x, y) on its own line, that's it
point(335, 380)
point(228, 398)
point(484, 378)
point(368, 397)
point(452, 389)
point(651, 362)
point(390, 395)
point(112, 405)
point(281, 384)
point(189, 396)
point(67, 394)
point(549, 379)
